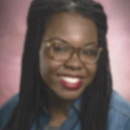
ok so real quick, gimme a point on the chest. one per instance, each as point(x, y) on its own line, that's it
point(73, 123)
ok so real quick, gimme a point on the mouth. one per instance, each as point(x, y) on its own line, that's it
point(71, 82)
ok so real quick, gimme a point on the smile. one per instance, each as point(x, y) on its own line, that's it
point(70, 82)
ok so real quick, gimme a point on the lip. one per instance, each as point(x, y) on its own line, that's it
point(71, 86)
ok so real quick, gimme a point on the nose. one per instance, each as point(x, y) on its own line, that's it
point(74, 63)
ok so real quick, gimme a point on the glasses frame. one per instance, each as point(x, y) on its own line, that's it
point(48, 44)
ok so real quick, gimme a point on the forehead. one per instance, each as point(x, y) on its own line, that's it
point(72, 27)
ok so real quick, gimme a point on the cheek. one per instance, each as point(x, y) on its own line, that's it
point(48, 68)
point(92, 69)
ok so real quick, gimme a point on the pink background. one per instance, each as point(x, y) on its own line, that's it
point(12, 34)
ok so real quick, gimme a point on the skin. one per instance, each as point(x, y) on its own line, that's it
point(78, 31)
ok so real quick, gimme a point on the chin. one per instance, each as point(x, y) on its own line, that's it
point(69, 96)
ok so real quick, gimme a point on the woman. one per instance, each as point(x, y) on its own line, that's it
point(65, 82)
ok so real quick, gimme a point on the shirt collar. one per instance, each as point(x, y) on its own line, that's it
point(74, 107)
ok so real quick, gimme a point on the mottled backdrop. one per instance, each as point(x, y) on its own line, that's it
point(12, 33)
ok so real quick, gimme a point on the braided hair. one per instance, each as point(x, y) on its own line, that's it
point(96, 97)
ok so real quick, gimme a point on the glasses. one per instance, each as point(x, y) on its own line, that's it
point(60, 50)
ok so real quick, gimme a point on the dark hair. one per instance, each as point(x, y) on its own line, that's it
point(96, 97)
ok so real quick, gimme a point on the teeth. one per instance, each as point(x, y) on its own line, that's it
point(71, 80)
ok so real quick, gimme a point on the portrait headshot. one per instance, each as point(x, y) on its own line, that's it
point(66, 78)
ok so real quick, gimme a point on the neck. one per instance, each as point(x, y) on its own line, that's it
point(58, 105)
point(58, 110)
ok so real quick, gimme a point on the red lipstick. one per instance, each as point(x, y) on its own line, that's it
point(70, 85)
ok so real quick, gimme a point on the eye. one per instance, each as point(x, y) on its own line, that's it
point(58, 47)
point(89, 52)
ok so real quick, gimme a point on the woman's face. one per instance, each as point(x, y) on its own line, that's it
point(68, 79)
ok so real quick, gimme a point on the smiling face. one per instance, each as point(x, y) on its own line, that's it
point(68, 79)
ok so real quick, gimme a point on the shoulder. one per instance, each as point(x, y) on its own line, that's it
point(7, 109)
point(120, 104)
point(119, 113)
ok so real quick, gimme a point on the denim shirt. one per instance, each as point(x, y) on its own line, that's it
point(118, 115)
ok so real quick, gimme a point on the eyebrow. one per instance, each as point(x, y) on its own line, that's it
point(65, 42)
